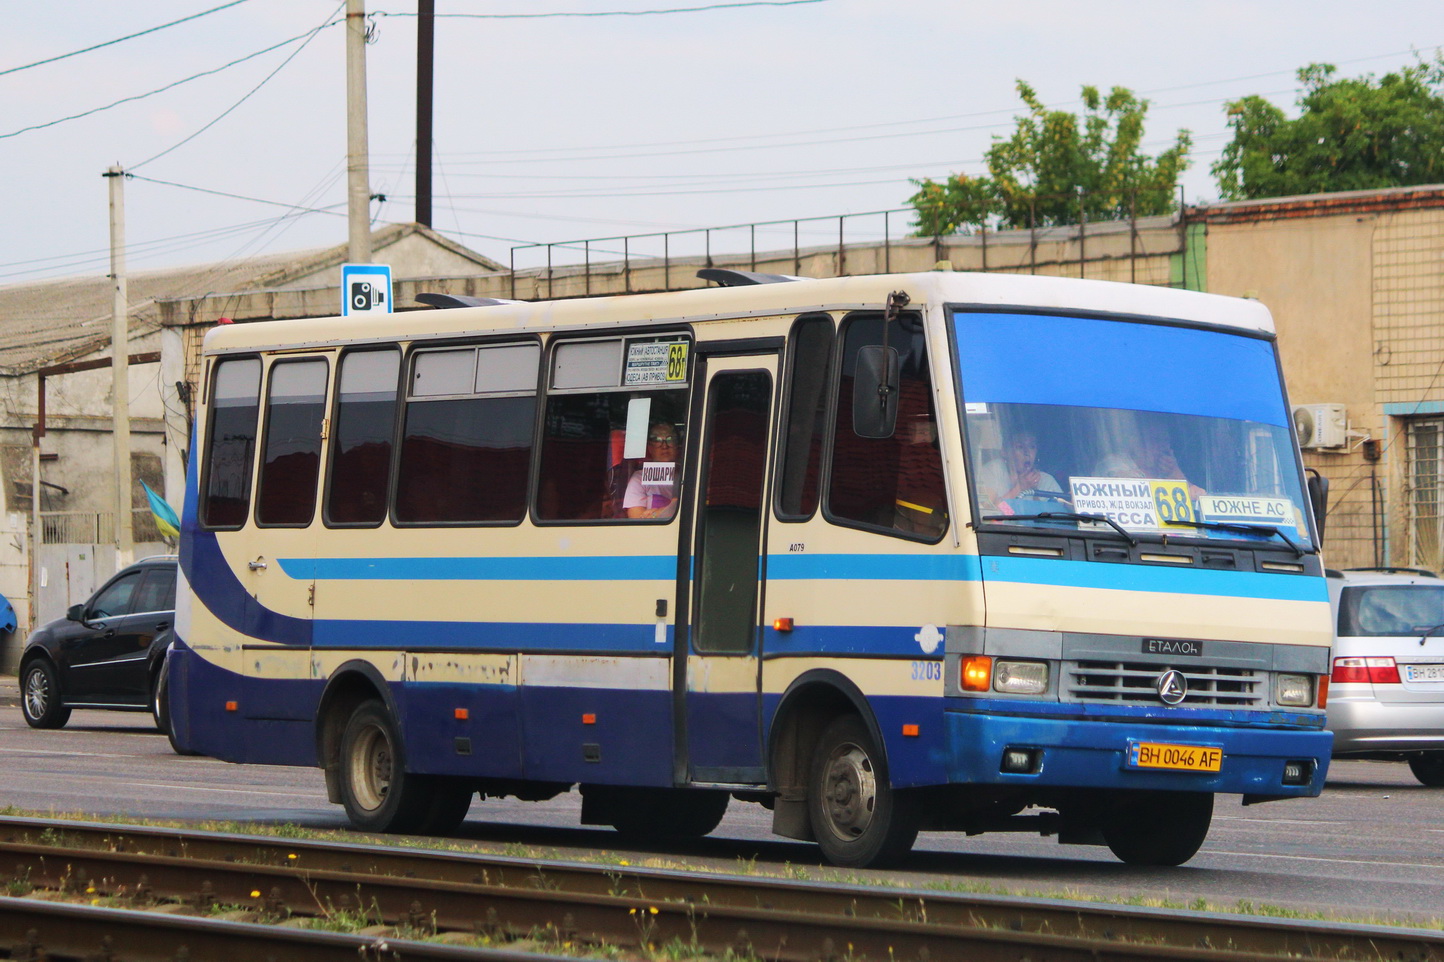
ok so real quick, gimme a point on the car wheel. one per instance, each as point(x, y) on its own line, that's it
point(857, 817)
point(40, 696)
point(1158, 828)
point(1428, 768)
point(159, 710)
point(379, 794)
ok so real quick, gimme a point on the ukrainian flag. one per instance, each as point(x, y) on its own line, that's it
point(165, 516)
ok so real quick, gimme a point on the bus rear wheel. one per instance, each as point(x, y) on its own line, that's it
point(377, 791)
point(857, 817)
point(1158, 828)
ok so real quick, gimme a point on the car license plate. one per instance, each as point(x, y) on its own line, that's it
point(1424, 672)
point(1180, 758)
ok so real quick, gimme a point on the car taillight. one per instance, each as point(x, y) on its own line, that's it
point(1358, 671)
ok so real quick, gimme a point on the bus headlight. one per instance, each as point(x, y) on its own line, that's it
point(1021, 677)
point(1294, 690)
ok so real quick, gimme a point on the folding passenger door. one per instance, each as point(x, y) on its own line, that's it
point(716, 680)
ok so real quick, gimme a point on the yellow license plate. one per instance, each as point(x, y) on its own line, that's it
point(1179, 758)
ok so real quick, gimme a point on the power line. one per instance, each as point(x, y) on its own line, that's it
point(254, 200)
point(603, 13)
point(169, 86)
point(132, 36)
point(221, 116)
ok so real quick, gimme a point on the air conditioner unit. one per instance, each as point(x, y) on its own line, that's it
point(1321, 426)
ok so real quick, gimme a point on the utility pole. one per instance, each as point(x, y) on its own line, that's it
point(358, 180)
point(425, 60)
point(120, 371)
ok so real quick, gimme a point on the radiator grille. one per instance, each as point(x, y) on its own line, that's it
point(1131, 682)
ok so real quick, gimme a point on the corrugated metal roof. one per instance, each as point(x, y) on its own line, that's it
point(54, 321)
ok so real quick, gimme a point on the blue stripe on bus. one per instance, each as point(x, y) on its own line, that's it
point(584, 568)
point(1181, 581)
point(788, 567)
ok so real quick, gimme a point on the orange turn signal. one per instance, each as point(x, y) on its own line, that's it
point(231, 706)
point(781, 624)
point(911, 731)
point(589, 719)
point(462, 714)
point(976, 673)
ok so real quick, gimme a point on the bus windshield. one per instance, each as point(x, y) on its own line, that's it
point(1156, 428)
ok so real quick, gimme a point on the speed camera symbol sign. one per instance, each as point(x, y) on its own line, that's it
point(365, 289)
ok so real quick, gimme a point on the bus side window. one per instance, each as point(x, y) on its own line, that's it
point(361, 440)
point(231, 443)
point(800, 464)
point(295, 407)
point(894, 482)
point(466, 445)
point(611, 405)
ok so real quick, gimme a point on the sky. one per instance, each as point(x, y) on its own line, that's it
point(622, 121)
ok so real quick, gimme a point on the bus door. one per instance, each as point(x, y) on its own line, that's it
point(716, 674)
point(279, 569)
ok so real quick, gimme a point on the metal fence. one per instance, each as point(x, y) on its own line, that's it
point(95, 527)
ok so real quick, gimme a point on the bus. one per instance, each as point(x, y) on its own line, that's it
point(934, 551)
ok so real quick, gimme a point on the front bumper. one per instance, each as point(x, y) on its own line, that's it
point(1076, 753)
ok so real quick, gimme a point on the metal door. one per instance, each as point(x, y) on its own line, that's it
point(717, 672)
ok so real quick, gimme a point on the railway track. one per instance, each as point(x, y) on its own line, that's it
point(565, 905)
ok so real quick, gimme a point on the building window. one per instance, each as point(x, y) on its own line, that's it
point(1424, 501)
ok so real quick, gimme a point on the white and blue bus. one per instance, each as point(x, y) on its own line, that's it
point(934, 551)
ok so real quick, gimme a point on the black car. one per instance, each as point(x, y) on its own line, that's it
point(106, 652)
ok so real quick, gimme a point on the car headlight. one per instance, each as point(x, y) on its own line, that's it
point(1294, 690)
point(1021, 677)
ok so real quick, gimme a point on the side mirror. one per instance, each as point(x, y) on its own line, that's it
point(874, 392)
point(1318, 500)
point(75, 613)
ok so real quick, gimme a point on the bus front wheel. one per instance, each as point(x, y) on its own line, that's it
point(857, 817)
point(377, 791)
point(1158, 828)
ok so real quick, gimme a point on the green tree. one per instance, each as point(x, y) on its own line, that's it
point(1058, 166)
point(1351, 134)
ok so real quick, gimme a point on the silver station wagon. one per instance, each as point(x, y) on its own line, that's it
point(1386, 691)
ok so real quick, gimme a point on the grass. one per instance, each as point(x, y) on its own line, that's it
point(748, 867)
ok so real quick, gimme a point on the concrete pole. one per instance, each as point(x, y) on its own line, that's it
point(358, 179)
point(120, 369)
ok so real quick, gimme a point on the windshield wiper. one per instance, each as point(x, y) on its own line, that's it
point(1065, 516)
point(1429, 631)
point(1242, 529)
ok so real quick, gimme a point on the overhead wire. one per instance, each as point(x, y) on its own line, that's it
point(556, 15)
point(129, 36)
point(158, 90)
point(329, 21)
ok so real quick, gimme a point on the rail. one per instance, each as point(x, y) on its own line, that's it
point(503, 900)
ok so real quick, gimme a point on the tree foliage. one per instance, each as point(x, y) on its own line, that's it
point(1057, 167)
point(1351, 134)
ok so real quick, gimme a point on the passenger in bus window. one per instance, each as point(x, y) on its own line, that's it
point(920, 501)
point(1016, 475)
point(1147, 452)
point(655, 497)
